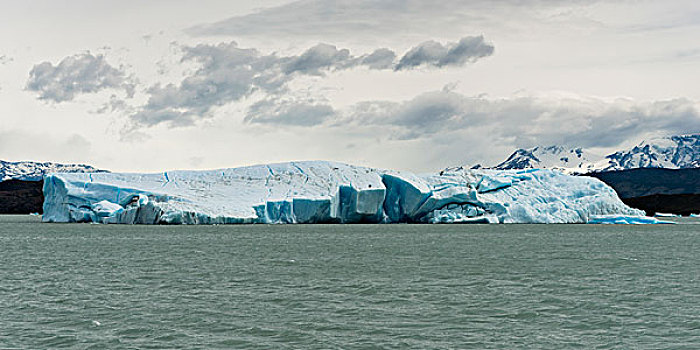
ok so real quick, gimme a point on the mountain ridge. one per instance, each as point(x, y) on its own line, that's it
point(35, 171)
point(671, 152)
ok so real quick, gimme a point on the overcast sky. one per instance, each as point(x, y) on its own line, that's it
point(406, 84)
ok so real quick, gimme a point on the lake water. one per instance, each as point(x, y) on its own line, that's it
point(349, 287)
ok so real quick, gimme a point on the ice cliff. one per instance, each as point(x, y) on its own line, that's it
point(327, 192)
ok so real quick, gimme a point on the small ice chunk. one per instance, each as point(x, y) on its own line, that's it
point(666, 215)
point(625, 220)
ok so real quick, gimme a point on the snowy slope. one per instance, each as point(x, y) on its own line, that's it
point(674, 152)
point(574, 160)
point(327, 192)
point(34, 171)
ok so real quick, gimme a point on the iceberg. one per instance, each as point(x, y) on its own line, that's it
point(626, 220)
point(328, 192)
point(666, 215)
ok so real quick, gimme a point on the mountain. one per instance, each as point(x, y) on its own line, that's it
point(35, 171)
point(552, 157)
point(658, 175)
point(674, 152)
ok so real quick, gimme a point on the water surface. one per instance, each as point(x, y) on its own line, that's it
point(349, 286)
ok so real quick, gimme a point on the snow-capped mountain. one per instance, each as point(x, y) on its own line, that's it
point(34, 171)
point(674, 152)
point(551, 157)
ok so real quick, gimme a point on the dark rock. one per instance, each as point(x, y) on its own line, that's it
point(21, 197)
point(682, 204)
point(656, 190)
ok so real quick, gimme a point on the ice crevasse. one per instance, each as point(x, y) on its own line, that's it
point(329, 192)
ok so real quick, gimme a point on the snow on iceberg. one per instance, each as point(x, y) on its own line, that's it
point(328, 192)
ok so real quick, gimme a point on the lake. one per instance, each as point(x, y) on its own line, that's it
point(349, 286)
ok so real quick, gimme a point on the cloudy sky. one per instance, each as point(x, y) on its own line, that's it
point(407, 84)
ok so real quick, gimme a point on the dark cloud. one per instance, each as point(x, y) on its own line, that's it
point(432, 53)
point(379, 59)
point(228, 73)
point(321, 56)
point(527, 121)
point(468, 49)
point(285, 112)
point(75, 75)
point(428, 52)
point(520, 122)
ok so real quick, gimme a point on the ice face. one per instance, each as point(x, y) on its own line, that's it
point(328, 192)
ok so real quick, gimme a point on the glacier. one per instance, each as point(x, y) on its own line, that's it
point(329, 192)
